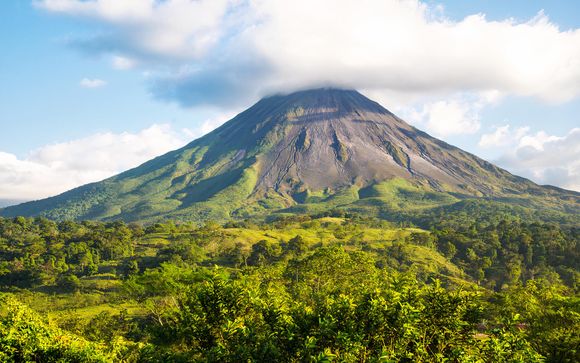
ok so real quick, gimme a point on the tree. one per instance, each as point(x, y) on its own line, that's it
point(297, 245)
point(449, 249)
point(264, 252)
point(129, 268)
point(68, 282)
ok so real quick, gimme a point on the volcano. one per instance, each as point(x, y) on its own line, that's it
point(303, 152)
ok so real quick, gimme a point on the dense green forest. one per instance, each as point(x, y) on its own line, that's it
point(440, 286)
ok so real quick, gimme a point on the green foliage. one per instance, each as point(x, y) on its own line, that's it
point(68, 283)
point(297, 245)
point(24, 337)
point(548, 314)
point(264, 252)
point(392, 318)
point(331, 287)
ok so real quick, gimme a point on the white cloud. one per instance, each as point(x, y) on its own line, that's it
point(180, 29)
point(55, 168)
point(445, 118)
point(92, 83)
point(454, 115)
point(123, 63)
point(231, 49)
point(503, 136)
point(214, 122)
point(538, 141)
point(546, 159)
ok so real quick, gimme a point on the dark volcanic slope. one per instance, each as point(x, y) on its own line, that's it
point(307, 147)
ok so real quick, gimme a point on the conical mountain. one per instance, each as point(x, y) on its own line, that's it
point(307, 151)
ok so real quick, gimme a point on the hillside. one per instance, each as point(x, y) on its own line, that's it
point(300, 153)
point(302, 288)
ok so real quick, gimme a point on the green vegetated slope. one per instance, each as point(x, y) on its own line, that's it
point(336, 286)
point(300, 153)
point(27, 337)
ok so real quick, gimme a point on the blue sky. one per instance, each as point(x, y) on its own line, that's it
point(80, 78)
point(41, 99)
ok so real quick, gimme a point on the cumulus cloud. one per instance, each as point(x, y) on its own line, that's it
point(55, 168)
point(123, 63)
point(92, 83)
point(455, 115)
point(225, 51)
point(445, 118)
point(544, 158)
point(503, 136)
point(180, 29)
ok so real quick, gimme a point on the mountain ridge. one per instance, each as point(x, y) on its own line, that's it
point(318, 148)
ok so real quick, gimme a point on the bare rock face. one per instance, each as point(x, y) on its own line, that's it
point(315, 142)
point(329, 138)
